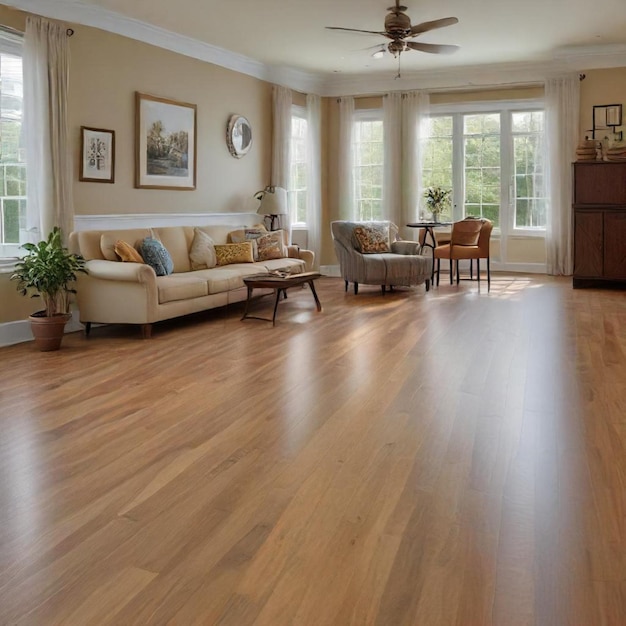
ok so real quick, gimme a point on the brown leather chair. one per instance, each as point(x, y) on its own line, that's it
point(469, 239)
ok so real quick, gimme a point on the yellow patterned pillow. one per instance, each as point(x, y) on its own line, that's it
point(126, 252)
point(372, 238)
point(229, 253)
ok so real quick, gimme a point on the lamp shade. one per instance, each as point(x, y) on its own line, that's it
point(273, 201)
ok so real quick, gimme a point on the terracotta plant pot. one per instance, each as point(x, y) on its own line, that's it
point(48, 331)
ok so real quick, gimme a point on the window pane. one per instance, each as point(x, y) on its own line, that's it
point(368, 172)
point(12, 165)
point(481, 148)
point(298, 170)
point(436, 147)
point(528, 176)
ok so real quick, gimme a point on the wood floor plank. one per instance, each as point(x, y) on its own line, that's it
point(456, 457)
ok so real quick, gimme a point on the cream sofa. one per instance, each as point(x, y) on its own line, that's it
point(114, 292)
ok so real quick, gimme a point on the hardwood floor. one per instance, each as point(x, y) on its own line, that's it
point(407, 459)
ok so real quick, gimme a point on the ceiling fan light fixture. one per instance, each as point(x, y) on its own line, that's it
point(379, 54)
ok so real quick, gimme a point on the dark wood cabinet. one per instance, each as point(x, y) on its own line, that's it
point(599, 223)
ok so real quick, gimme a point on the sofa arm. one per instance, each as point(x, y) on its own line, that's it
point(308, 256)
point(406, 247)
point(117, 270)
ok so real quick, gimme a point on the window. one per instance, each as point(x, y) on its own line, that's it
point(296, 194)
point(481, 150)
point(12, 162)
point(368, 165)
point(492, 156)
point(527, 130)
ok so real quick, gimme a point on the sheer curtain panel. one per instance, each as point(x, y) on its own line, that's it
point(46, 132)
point(281, 144)
point(562, 107)
point(415, 111)
point(314, 174)
point(345, 159)
point(392, 158)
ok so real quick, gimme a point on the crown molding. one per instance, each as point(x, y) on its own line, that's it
point(567, 58)
point(77, 12)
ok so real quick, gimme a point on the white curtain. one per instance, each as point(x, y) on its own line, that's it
point(314, 175)
point(345, 159)
point(415, 112)
point(562, 129)
point(281, 144)
point(392, 157)
point(46, 132)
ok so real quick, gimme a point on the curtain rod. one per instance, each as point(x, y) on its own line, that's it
point(69, 31)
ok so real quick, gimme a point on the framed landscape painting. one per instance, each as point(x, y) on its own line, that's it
point(97, 155)
point(165, 143)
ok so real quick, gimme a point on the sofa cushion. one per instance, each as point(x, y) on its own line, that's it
point(174, 238)
point(109, 238)
point(202, 253)
point(126, 252)
point(229, 253)
point(155, 254)
point(248, 234)
point(406, 269)
point(181, 287)
point(371, 238)
point(222, 279)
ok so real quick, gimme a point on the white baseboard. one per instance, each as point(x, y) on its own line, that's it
point(330, 270)
point(19, 331)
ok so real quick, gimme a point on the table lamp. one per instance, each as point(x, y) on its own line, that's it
point(273, 203)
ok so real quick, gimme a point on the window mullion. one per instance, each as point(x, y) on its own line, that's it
point(458, 168)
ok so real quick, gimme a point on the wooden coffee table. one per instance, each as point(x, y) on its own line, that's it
point(279, 284)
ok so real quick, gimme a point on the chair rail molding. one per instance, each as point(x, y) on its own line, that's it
point(118, 221)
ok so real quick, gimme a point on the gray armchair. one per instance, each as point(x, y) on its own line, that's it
point(402, 265)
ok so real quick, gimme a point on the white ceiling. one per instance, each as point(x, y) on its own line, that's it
point(288, 38)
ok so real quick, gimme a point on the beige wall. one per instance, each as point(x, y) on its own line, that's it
point(106, 72)
point(600, 87)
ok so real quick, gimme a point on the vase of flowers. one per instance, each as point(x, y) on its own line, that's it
point(437, 201)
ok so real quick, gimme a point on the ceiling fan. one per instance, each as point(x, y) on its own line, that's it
point(398, 28)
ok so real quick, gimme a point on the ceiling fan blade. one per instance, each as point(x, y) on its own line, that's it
point(426, 26)
point(432, 48)
point(358, 30)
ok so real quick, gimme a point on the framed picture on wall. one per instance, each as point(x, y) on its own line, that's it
point(97, 157)
point(165, 143)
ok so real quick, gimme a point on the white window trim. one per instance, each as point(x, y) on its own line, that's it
point(457, 110)
point(12, 43)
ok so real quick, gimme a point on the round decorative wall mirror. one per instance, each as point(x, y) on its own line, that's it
point(238, 136)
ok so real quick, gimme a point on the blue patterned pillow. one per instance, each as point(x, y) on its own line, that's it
point(156, 256)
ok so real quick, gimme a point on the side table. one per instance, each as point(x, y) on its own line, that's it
point(429, 232)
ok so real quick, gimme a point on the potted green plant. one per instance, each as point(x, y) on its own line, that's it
point(47, 271)
point(437, 201)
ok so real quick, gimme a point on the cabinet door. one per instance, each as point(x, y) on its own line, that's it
point(588, 260)
point(615, 244)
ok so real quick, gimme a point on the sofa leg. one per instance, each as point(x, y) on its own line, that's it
point(438, 270)
point(383, 289)
point(87, 328)
point(427, 285)
point(356, 288)
point(345, 281)
point(146, 331)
